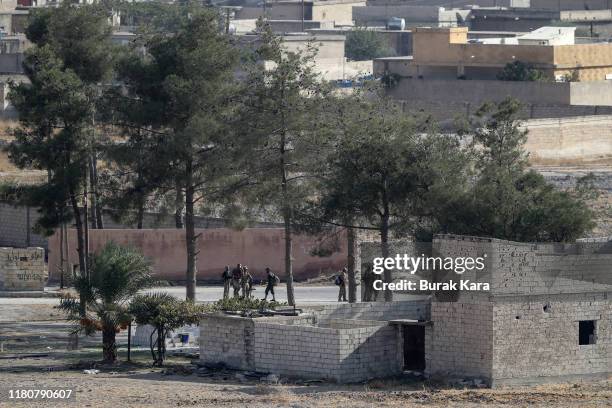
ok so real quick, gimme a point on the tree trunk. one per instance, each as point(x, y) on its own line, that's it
point(190, 235)
point(161, 346)
point(384, 243)
point(96, 194)
point(287, 216)
point(384, 246)
point(80, 242)
point(288, 220)
point(179, 204)
point(351, 249)
point(140, 214)
point(109, 346)
point(92, 197)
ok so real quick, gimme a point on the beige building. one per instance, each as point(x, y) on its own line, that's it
point(338, 11)
point(446, 53)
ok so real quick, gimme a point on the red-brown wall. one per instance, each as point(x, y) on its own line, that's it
point(256, 247)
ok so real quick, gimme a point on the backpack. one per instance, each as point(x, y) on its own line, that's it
point(338, 281)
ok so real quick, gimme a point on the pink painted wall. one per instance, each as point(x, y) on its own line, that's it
point(256, 247)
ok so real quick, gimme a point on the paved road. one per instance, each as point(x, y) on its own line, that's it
point(303, 295)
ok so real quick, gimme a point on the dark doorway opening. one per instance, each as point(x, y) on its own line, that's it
point(414, 347)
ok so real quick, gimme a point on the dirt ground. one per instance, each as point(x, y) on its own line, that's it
point(33, 355)
point(139, 385)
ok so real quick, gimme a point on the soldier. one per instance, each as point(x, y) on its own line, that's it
point(236, 280)
point(227, 278)
point(249, 285)
point(368, 278)
point(341, 280)
point(272, 280)
point(244, 282)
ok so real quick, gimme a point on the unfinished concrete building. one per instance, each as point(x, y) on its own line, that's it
point(546, 317)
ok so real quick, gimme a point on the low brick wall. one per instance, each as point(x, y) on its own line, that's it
point(341, 354)
point(228, 340)
point(344, 343)
point(22, 269)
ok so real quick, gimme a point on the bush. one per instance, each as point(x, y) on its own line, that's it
point(520, 71)
point(165, 313)
point(363, 44)
point(242, 304)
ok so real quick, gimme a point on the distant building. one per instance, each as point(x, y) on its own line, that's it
point(589, 22)
point(338, 11)
point(446, 53)
point(329, 62)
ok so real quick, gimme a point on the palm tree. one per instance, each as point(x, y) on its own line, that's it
point(115, 275)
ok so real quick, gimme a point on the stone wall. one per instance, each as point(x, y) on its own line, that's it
point(460, 341)
point(344, 354)
point(536, 337)
point(22, 269)
point(229, 340)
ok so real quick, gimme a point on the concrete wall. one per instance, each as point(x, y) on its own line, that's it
point(447, 3)
point(416, 309)
point(229, 340)
point(257, 248)
point(16, 223)
point(11, 63)
point(478, 92)
point(22, 269)
point(557, 5)
point(342, 354)
point(281, 26)
point(379, 15)
point(569, 141)
point(341, 13)
point(460, 341)
point(16, 227)
point(531, 345)
point(514, 268)
point(446, 111)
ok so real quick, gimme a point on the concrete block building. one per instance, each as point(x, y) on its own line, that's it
point(546, 317)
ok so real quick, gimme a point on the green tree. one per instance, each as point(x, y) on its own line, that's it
point(363, 44)
point(387, 169)
point(57, 107)
point(81, 38)
point(520, 71)
point(165, 313)
point(282, 106)
point(187, 81)
point(53, 117)
point(507, 200)
point(116, 274)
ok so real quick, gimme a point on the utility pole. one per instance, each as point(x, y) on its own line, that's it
point(303, 29)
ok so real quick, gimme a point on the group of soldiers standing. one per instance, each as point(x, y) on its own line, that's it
point(241, 280)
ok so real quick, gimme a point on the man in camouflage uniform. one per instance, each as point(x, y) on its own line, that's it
point(237, 279)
